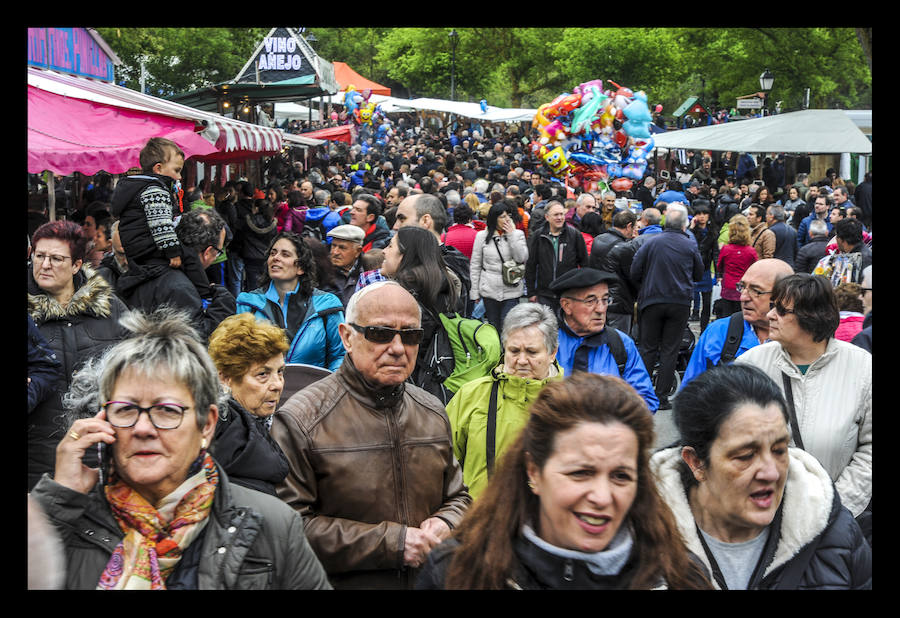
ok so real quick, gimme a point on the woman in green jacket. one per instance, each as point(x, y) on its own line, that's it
point(488, 413)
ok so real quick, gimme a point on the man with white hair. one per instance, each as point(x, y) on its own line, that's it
point(584, 204)
point(372, 469)
point(665, 269)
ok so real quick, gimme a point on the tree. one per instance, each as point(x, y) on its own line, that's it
point(181, 59)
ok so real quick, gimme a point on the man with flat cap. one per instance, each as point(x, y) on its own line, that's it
point(585, 341)
point(346, 249)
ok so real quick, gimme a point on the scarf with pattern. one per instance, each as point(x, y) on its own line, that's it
point(156, 537)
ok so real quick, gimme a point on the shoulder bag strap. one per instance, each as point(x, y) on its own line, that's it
point(789, 395)
point(492, 428)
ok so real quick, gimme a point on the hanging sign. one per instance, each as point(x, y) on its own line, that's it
point(281, 54)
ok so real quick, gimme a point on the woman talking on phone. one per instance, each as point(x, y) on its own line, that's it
point(164, 515)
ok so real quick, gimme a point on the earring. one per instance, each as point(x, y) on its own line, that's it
point(530, 484)
point(203, 443)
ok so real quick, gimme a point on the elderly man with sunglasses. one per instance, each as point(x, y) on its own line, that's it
point(372, 469)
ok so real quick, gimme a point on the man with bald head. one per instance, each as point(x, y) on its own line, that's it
point(372, 469)
point(756, 292)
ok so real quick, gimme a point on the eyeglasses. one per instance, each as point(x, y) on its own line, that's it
point(779, 308)
point(55, 260)
point(592, 301)
point(383, 334)
point(219, 252)
point(124, 414)
point(740, 287)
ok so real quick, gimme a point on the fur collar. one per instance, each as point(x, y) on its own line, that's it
point(93, 297)
point(806, 506)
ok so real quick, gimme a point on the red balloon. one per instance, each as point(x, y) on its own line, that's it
point(620, 138)
point(621, 184)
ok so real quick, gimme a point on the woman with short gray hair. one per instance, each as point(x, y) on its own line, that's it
point(487, 414)
point(161, 513)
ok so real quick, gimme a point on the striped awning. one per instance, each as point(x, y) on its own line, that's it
point(234, 140)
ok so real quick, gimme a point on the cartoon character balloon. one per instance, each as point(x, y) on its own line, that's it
point(597, 137)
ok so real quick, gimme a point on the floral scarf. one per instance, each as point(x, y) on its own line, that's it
point(156, 537)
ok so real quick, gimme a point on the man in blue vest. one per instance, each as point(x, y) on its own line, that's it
point(756, 292)
point(585, 343)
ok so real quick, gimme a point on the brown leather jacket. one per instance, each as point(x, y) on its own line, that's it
point(365, 464)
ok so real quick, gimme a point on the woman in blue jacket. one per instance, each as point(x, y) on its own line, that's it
point(287, 296)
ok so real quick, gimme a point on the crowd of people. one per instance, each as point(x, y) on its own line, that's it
point(539, 470)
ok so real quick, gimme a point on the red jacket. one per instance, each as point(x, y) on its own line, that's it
point(462, 237)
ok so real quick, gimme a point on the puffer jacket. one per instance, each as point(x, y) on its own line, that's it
point(486, 265)
point(468, 411)
point(145, 205)
point(366, 463)
point(252, 541)
point(810, 512)
point(833, 401)
point(313, 332)
point(83, 329)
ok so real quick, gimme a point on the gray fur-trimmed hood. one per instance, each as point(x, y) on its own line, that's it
point(93, 297)
point(806, 506)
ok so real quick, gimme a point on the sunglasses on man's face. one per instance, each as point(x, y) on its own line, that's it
point(383, 334)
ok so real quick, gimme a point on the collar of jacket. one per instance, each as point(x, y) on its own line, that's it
point(786, 365)
point(93, 297)
point(368, 394)
point(594, 340)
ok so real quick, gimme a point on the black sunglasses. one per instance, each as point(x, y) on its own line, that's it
point(779, 308)
point(383, 334)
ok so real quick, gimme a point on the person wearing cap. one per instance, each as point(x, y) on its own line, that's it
point(346, 249)
point(584, 338)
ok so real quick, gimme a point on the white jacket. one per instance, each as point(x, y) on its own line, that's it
point(834, 411)
point(486, 267)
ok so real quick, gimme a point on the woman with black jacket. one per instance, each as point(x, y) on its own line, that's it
point(258, 228)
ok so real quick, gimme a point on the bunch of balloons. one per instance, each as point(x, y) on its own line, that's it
point(359, 107)
point(594, 137)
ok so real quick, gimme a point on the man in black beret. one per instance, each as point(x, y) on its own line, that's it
point(585, 341)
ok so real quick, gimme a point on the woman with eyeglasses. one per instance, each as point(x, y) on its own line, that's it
point(734, 260)
point(161, 513)
point(827, 383)
point(77, 313)
point(288, 297)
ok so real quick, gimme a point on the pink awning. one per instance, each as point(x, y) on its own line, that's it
point(67, 135)
point(231, 140)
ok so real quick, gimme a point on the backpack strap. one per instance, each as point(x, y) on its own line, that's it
point(733, 338)
point(617, 349)
point(491, 439)
point(789, 396)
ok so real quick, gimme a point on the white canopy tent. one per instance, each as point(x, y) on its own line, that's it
point(469, 110)
point(810, 131)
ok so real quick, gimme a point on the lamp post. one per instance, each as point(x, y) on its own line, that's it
point(454, 41)
point(765, 83)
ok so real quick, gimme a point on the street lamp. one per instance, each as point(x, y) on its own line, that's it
point(765, 83)
point(454, 41)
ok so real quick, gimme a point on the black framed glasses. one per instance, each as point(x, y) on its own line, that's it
point(740, 287)
point(383, 334)
point(779, 308)
point(219, 252)
point(592, 301)
point(124, 414)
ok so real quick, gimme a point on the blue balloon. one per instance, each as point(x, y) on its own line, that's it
point(484, 106)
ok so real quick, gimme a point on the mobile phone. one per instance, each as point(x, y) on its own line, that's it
point(103, 458)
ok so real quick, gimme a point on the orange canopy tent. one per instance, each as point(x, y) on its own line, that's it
point(345, 76)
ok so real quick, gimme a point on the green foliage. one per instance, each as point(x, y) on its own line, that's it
point(525, 67)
